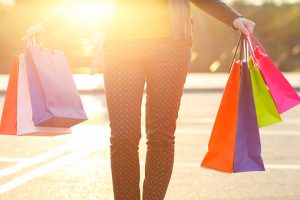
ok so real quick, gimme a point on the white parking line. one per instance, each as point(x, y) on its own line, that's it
point(210, 120)
point(92, 145)
point(267, 166)
point(105, 130)
point(40, 171)
point(74, 158)
point(263, 132)
point(278, 166)
point(184, 164)
point(11, 159)
point(38, 158)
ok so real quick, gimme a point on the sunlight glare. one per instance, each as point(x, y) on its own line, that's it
point(90, 13)
point(8, 3)
point(214, 66)
point(296, 50)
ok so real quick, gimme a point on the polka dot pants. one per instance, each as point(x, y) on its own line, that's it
point(162, 65)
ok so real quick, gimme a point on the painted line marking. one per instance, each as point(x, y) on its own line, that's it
point(104, 131)
point(73, 158)
point(210, 120)
point(201, 131)
point(56, 152)
point(12, 159)
point(40, 171)
point(184, 164)
point(90, 148)
point(279, 166)
point(267, 166)
point(39, 158)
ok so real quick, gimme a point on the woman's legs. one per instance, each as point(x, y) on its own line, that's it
point(165, 80)
point(124, 85)
point(165, 64)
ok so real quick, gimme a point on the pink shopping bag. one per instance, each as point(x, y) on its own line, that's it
point(284, 95)
point(53, 93)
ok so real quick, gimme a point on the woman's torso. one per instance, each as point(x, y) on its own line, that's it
point(141, 19)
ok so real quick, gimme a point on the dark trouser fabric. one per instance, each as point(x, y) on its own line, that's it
point(162, 64)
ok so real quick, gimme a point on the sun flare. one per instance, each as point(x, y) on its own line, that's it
point(90, 13)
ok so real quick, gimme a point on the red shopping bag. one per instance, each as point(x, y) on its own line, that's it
point(9, 114)
point(284, 95)
point(17, 111)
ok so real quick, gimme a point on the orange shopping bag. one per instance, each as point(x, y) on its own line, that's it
point(220, 153)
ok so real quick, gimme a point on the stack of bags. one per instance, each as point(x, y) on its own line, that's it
point(41, 97)
point(255, 95)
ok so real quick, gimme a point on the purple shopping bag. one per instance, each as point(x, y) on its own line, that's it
point(247, 150)
point(54, 96)
point(284, 95)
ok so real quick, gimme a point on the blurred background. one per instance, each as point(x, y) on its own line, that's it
point(278, 28)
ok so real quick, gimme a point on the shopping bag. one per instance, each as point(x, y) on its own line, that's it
point(266, 111)
point(284, 95)
point(9, 112)
point(234, 145)
point(220, 153)
point(52, 89)
point(17, 113)
point(247, 150)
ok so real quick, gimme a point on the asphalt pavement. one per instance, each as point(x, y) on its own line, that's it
point(76, 166)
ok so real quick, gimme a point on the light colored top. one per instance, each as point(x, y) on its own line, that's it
point(141, 19)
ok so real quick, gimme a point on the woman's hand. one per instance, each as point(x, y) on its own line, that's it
point(244, 25)
point(33, 31)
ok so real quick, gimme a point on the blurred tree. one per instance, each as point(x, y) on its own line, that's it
point(277, 27)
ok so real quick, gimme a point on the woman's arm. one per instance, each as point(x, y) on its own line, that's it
point(51, 23)
point(218, 9)
point(226, 14)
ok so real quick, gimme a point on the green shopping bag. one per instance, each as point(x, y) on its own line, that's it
point(266, 109)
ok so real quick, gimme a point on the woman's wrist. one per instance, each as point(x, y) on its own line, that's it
point(35, 30)
point(244, 25)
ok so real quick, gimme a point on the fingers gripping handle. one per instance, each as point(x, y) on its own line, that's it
point(36, 42)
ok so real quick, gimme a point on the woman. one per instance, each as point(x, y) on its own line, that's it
point(150, 43)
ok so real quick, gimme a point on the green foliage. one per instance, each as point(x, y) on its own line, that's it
point(277, 27)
